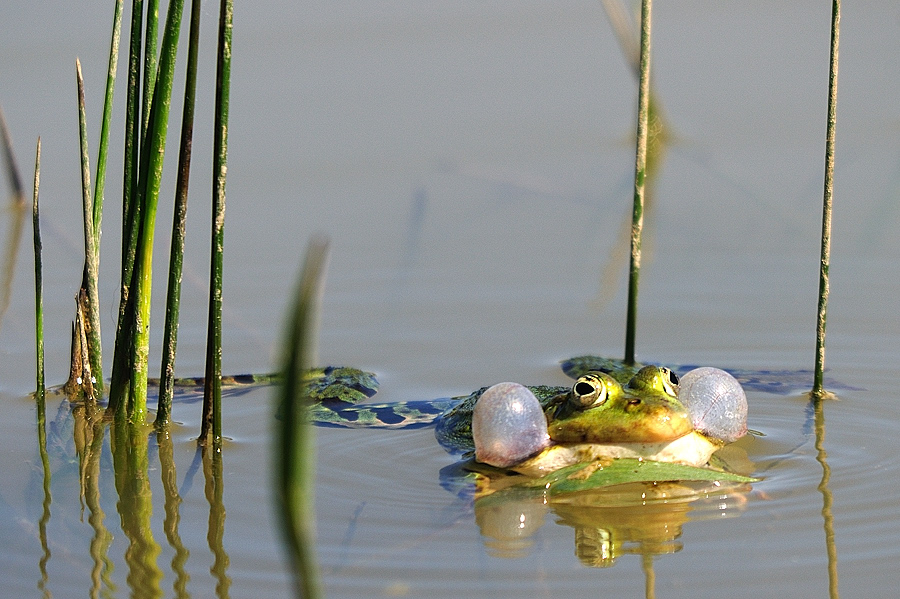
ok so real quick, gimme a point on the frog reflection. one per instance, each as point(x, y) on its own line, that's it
point(631, 519)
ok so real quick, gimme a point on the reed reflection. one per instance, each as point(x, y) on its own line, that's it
point(129, 444)
point(47, 500)
point(89, 432)
point(212, 471)
point(827, 497)
point(172, 512)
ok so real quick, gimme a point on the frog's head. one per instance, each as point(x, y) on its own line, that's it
point(600, 410)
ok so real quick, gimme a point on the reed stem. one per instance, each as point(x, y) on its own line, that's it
point(103, 148)
point(150, 64)
point(176, 253)
point(212, 392)
point(119, 395)
point(91, 253)
point(154, 151)
point(640, 166)
point(818, 389)
point(38, 279)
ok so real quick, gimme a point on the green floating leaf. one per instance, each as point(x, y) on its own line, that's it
point(594, 475)
point(571, 479)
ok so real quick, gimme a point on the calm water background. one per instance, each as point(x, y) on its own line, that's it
point(472, 164)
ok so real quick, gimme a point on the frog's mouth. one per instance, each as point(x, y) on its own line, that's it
point(640, 420)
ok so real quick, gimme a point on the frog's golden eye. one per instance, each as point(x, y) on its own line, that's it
point(670, 381)
point(589, 390)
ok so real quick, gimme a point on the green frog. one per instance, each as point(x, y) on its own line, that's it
point(536, 430)
point(611, 412)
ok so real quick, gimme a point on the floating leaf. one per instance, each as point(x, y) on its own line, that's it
point(597, 475)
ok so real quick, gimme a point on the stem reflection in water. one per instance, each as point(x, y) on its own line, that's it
point(89, 433)
point(45, 514)
point(827, 497)
point(129, 444)
point(173, 516)
point(131, 453)
point(212, 471)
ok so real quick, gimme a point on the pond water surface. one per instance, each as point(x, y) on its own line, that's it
point(472, 165)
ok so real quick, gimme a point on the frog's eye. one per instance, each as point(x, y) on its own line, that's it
point(670, 381)
point(589, 390)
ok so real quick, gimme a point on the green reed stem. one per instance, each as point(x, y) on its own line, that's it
point(212, 392)
point(640, 166)
point(132, 151)
point(118, 396)
point(38, 277)
point(155, 147)
point(100, 180)
point(176, 253)
point(150, 66)
point(818, 389)
point(295, 449)
point(91, 253)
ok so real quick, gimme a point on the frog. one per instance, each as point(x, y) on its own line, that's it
point(537, 430)
point(567, 408)
point(606, 414)
point(611, 411)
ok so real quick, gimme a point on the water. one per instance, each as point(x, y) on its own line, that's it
point(471, 163)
